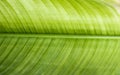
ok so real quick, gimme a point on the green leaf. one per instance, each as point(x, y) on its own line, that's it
point(59, 17)
point(59, 37)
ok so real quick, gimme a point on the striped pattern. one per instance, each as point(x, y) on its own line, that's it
point(89, 17)
point(48, 37)
point(52, 56)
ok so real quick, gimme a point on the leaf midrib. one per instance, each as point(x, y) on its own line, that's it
point(60, 36)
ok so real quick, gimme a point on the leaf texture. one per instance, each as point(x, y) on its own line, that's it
point(59, 37)
point(85, 17)
point(58, 56)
